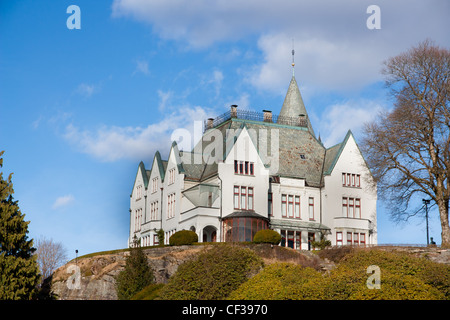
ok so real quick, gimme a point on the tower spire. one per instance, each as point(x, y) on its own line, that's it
point(293, 62)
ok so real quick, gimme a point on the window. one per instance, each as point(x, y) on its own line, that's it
point(351, 207)
point(250, 199)
point(236, 197)
point(357, 208)
point(339, 238)
point(362, 239)
point(154, 185)
point(138, 192)
point(291, 206)
point(243, 197)
point(344, 207)
point(351, 180)
point(269, 204)
point(297, 207)
point(291, 239)
point(154, 210)
point(155, 240)
point(311, 208)
point(171, 176)
point(355, 238)
point(137, 220)
point(349, 238)
point(171, 206)
point(244, 167)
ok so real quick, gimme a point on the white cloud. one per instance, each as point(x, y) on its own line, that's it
point(337, 119)
point(112, 143)
point(86, 90)
point(63, 201)
point(334, 48)
point(141, 67)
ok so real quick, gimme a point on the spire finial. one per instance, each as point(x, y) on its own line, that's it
point(293, 53)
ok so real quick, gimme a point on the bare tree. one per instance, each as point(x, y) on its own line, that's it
point(408, 148)
point(50, 256)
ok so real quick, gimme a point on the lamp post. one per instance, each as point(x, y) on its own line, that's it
point(76, 257)
point(426, 202)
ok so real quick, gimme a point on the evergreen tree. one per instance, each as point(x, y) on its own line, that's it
point(136, 275)
point(19, 272)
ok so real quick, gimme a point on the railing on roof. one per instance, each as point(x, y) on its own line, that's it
point(266, 116)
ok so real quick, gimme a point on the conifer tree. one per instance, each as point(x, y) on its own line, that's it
point(136, 275)
point(19, 272)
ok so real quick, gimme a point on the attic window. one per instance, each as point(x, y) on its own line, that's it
point(302, 156)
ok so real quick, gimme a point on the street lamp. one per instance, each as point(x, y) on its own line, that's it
point(426, 202)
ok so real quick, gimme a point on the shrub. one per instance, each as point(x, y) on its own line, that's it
point(136, 275)
point(183, 237)
point(267, 236)
point(150, 292)
point(402, 277)
point(278, 281)
point(213, 274)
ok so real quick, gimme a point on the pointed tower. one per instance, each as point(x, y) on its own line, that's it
point(293, 106)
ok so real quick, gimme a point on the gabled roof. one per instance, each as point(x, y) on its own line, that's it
point(144, 175)
point(332, 154)
point(293, 105)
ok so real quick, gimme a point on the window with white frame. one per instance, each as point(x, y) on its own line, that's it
point(339, 238)
point(171, 176)
point(154, 210)
point(351, 180)
point(351, 207)
point(243, 198)
point(154, 185)
point(290, 206)
point(138, 192)
point(311, 208)
point(171, 206)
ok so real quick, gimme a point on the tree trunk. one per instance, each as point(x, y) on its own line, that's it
point(443, 213)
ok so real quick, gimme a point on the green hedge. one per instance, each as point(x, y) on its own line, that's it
point(213, 274)
point(401, 277)
point(267, 236)
point(183, 237)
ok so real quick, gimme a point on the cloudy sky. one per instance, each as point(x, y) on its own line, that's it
point(79, 108)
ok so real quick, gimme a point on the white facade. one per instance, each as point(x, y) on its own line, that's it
point(302, 190)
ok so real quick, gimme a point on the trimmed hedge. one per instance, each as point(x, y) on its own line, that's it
point(267, 236)
point(402, 277)
point(183, 237)
point(213, 274)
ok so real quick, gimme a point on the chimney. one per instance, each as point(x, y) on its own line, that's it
point(233, 111)
point(209, 123)
point(267, 116)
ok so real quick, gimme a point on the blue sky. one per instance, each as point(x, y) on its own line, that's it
point(79, 109)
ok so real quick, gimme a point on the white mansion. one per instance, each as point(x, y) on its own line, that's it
point(253, 171)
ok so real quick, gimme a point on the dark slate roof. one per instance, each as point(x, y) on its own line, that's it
point(294, 143)
point(293, 104)
point(245, 214)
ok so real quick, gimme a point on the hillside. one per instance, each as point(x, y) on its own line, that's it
point(98, 270)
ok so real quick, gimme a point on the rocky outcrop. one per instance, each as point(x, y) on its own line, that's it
point(93, 278)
